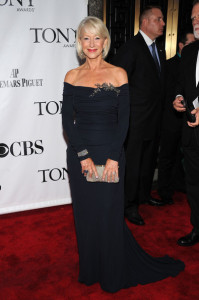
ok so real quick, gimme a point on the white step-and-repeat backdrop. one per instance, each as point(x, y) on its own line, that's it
point(37, 41)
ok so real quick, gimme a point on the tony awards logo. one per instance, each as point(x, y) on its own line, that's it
point(49, 35)
point(55, 174)
point(21, 5)
point(48, 108)
point(15, 81)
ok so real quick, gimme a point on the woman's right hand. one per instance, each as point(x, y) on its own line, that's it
point(88, 166)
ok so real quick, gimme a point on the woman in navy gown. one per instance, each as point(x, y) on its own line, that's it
point(95, 118)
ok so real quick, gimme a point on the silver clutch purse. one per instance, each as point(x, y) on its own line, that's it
point(100, 170)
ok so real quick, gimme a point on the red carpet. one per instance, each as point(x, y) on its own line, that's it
point(39, 259)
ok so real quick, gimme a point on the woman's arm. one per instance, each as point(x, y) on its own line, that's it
point(69, 126)
point(71, 130)
point(111, 168)
point(123, 118)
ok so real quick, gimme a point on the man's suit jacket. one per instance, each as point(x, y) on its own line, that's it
point(172, 119)
point(187, 86)
point(146, 86)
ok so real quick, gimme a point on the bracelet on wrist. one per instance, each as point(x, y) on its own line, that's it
point(82, 153)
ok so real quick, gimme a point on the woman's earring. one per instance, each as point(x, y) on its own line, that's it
point(82, 54)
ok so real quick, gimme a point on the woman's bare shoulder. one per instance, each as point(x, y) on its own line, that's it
point(71, 76)
point(120, 74)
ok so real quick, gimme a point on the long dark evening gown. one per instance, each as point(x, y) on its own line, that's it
point(96, 119)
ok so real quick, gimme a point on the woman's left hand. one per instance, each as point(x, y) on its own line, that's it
point(111, 170)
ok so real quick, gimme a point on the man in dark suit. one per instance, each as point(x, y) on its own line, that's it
point(144, 63)
point(189, 89)
point(171, 175)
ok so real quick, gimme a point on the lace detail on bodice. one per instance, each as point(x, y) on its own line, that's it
point(106, 87)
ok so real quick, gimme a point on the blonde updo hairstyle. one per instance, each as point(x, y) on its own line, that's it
point(96, 26)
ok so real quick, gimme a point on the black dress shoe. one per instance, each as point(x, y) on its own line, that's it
point(190, 239)
point(156, 202)
point(135, 218)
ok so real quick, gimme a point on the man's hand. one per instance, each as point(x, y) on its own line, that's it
point(196, 113)
point(178, 105)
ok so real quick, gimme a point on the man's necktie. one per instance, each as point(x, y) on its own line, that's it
point(155, 57)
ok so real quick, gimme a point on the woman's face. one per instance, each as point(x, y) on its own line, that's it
point(92, 44)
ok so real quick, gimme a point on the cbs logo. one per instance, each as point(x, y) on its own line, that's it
point(23, 148)
point(4, 150)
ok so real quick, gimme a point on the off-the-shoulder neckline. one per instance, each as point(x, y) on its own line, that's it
point(90, 87)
